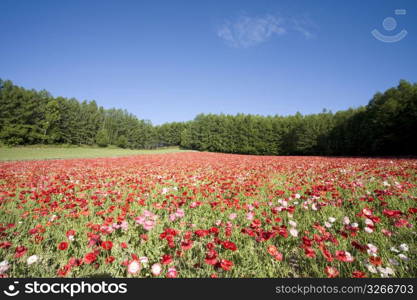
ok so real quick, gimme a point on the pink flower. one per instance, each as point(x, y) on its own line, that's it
point(172, 273)
point(250, 216)
point(148, 225)
point(134, 267)
point(180, 213)
point(156, 269)
point(232, 216)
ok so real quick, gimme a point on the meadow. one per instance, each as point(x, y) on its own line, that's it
point(39, 152)
point(199, 214)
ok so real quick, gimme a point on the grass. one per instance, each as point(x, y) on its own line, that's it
point(53, 152)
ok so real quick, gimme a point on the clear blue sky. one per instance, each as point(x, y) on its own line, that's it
point(170, 60)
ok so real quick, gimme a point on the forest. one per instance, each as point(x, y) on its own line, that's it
point(387, 125)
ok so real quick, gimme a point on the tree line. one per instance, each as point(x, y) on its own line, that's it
point(387, 125)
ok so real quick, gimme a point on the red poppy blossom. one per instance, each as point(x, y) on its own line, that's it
point(63, 246)
point(20, 251)
point(358, 274)
point(229, 245)
point(107, 245)
point(90, 258)
point(166, 259)
point(226, 264)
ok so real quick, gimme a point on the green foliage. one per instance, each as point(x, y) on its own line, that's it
point(102, 138)
point(122, 141)
point(386, 126)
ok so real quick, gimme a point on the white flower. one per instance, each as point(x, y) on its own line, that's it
point(332, 219)
point(292, 223)
point(393, 249)
point(403, 247)
point(371, 268)
point(133, 267)
point(386, 272)
point(327, 224)
point(4, 266)
point(297, 196)
point(354, 225)
point(369, 230)
point(372, 249)
point(156, 269)
point(369, 222)
point(143, 259)
point(294, 232)
point(346, 221)
point(403, 257)
point(314, 206)
point(393, 261)
point(32, 259)
point(385, 183)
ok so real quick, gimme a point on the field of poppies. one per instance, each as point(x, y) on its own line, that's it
point(208, 215)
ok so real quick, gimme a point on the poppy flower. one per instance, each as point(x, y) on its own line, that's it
point(62, 272)
point(20, 251)
point(344, 256)
point(211, 257)
point(156, 269)
point(133, 267)
point(107, 245)
point(110, 259)
point(375, 260)
point(358, 274)
point(229, 245)
point(226, 264)
point(331, 272)
point(172, 273)
point(166, 259)
point(90, 257)
point(63, 246)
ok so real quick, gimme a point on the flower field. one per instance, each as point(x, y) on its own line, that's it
point(209, 215)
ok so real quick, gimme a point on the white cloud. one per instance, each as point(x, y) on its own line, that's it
point(247, 31)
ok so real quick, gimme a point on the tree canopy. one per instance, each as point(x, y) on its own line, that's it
point(386, 126)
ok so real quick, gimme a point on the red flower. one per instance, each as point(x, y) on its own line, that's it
point(272, 250)
point(309, 252)
point(358, 274)
point(172, 273)
point(70, 233)
point(211, 257)
point(344, 256)
point(20, 251)
point(187, 244)
point(201, 233)
point(107, 245)
point(392, 213)
point(110, 259)
point(375, 260)
point(229, 245)
point(327, 254)
point(166, 259)
point(63, 246)
point(5, 245)
point(90, 258)
point(75, 262)
point(278, 256)
point(331, 272)
point(123, 245)
point(226, 264)
point(62, 272)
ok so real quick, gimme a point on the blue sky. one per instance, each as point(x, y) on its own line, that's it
point(170, 60)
